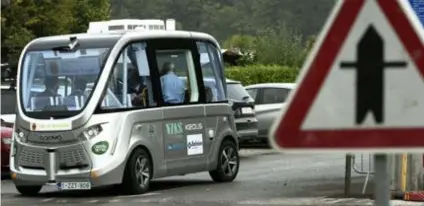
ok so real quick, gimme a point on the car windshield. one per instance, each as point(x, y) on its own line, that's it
point(57, 81)
point(237, 92)
point(8, 101)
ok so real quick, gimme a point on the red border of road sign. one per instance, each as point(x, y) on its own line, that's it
point(289, 134)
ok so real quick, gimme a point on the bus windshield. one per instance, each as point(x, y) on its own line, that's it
point(57, 81)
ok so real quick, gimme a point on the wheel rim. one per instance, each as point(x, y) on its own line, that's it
point(229, 161)
point(142, 171)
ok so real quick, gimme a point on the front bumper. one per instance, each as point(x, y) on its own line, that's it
point(36, 166)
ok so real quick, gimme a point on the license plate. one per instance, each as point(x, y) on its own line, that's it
point(246, 110)
point(75, 186)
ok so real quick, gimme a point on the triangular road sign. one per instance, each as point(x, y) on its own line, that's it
point(362, 87)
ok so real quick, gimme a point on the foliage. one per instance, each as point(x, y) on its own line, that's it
point(255, 74)
point(24, 20)
point(224, 18)
point(280, 45)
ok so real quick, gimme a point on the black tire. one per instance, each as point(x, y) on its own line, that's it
point(29, 190)
point(222, 172)
point(131, 183)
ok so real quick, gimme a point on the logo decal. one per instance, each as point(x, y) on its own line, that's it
point(100, 147)
point(175, 146)
point(191, 127)
point(195, 144)
point(174, 128)
point(33, 126)
point(50, 137)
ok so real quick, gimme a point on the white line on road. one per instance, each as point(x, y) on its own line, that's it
point(142, 195)
point(48, 199)
point(93, 201)
point(324, 201)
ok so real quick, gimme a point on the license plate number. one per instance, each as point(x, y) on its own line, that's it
point(75, 186)
point(246, 110)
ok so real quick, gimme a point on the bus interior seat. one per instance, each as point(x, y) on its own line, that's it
point(39, 103)
point(76, 101)
point(208, 94)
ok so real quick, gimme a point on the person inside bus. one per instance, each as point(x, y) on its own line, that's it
point(135, 87)
point(172, 86)
point(45, 98)
point(52, 85)
point(80, 85)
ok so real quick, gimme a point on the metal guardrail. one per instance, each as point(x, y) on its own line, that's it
point(364, 165)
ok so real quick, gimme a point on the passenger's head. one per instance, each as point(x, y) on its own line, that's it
point(52, 83)
point(167, 67)
point(80, 84)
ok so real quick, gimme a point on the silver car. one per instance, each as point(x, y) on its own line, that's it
point(125, 117)
point(269, 99)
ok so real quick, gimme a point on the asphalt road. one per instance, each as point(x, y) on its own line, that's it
point(265, 178)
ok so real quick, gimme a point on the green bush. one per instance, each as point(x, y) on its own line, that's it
point(255, 74)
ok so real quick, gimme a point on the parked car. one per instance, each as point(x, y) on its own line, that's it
point(243, 106)
point(8, 103)
point(6, 140)
point(269, 99)
point(244, 111)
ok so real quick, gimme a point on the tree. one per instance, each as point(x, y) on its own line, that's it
point(24, 20)
point(86, 11)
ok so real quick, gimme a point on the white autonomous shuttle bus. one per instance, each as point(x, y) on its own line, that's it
point(124, 122)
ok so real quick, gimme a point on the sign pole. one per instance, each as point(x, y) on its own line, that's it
point(382, 187)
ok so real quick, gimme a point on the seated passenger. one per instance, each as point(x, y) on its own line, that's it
point(135, 87)
point(80, 85)
point(172, 86)
point(52, 85)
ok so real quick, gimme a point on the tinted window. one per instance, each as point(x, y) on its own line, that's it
point(253, 93)
point(275, 95)
point(8, 101)
point(236, 92)
point(211, 71)
point(117, 27)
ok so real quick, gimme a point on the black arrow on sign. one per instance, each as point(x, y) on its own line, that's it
point(370, 76)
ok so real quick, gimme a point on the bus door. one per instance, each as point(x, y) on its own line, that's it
point(183, 110)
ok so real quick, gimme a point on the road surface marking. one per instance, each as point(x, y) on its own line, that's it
point(321, 200)
point(142, 195)
point(48, 199)
point(93, 201)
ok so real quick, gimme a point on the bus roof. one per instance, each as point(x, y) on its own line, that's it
point(112, 37)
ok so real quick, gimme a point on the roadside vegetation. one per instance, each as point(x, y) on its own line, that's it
point(274, 36)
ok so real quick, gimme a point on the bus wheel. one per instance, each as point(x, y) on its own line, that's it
point(29, 190)
point(228, 163)
point(137, 174)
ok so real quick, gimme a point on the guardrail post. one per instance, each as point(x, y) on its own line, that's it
point(348, 175)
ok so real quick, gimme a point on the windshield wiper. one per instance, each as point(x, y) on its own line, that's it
point(73, 44)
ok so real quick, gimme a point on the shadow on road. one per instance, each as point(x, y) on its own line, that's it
point(330, 188)
point(111, 191)
point(254, 146)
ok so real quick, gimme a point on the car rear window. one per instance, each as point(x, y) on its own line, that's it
point(8, 101)
point(236, 92)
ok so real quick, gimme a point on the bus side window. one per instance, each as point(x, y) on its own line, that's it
point(133, 89)
point(211, 72)
point(178, 76)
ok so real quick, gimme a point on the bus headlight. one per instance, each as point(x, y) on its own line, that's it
point(6, 140)
point(20, 136)
point(91, 132)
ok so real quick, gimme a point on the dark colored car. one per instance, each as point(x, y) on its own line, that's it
point(244, 113)
point(6, 140)
point(8, 106)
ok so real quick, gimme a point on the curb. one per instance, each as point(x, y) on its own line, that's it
point(409, 196)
